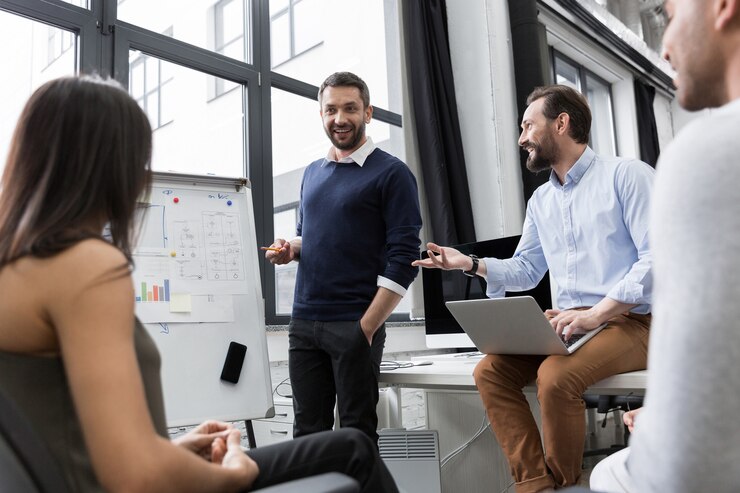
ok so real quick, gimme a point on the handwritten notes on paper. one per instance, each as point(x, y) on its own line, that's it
point(189, 260)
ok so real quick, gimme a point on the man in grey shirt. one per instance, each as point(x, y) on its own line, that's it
point(686, 439)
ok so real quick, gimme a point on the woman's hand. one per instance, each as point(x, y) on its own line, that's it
point(200, 439)
point(230, 455)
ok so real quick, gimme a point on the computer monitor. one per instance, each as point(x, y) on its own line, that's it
point(442, 330)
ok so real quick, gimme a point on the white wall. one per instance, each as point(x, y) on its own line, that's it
point(483, 68)
point(662, 106)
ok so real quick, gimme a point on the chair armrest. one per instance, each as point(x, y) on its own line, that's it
point(330, 482)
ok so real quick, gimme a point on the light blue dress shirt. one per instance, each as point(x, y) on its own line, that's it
point(592, 234)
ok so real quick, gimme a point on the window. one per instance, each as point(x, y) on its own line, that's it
point(80, 3)
point(25, 53)
point(286, 219)
point(598, 92)
point(149, 83)
point(207, 111)
point(295, 27)
point(222, 26)
point(229, 37)
point(192, 135)
point(360, 36)
point(602, 128)
point(58, 42)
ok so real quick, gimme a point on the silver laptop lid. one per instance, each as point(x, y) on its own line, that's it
point(510, 326)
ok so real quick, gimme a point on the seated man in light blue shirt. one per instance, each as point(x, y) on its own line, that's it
point(589, 227)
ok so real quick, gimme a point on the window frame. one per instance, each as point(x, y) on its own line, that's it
point(158, 89)
point(58, 37)
point(583, 75)
point(220, 45)
point(290, 12)
point(100, 52)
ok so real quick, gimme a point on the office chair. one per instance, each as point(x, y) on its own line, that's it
point(331, 482)
point(603, 404)
point(26, 465)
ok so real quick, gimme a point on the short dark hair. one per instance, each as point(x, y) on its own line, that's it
point(563, 99)
point(346, 79)
point(80, 153)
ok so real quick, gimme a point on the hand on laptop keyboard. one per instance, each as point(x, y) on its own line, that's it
point(572, 340)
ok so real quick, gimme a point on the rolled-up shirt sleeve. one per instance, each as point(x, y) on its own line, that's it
point(384, 282)
point(635, 188)
point(523, 271)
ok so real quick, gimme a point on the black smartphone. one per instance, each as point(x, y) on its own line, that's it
point(234, 361)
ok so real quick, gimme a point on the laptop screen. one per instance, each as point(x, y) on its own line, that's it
point(440, 286)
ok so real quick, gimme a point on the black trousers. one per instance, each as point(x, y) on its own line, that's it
point(328, 359)
point(346, 451)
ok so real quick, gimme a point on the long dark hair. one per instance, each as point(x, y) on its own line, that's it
point(80, 156)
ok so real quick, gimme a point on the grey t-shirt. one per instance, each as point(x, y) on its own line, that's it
point(688, 437)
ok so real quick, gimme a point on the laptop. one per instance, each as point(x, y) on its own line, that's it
point(513, 325)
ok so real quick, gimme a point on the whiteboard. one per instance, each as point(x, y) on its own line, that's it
point(197, 287)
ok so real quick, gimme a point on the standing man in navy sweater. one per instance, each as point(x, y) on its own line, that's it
point(357, 234)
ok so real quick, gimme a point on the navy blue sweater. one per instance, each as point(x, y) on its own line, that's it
point(356, 223)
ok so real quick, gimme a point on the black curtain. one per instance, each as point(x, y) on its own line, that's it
point(437, 125)
point(531, 69)
point(646, 126)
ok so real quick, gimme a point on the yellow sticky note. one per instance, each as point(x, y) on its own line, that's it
point(181, 302)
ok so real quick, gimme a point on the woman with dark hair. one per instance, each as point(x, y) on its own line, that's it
point(72, 355)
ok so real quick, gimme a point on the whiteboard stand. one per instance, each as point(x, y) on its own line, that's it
point(250, 433)
point(197, 243)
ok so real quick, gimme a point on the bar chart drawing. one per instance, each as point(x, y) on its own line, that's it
point(156, 293)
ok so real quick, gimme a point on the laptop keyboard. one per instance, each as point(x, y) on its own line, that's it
point(573, 339)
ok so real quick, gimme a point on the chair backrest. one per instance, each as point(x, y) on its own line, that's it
point(25, 463)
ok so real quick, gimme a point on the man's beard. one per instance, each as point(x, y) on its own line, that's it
point(350, 144)
point(545, 154)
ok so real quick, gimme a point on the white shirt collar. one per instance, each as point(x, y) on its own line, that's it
point(359, 156)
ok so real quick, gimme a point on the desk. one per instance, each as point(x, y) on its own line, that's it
point(455, 373)
point(455, 410)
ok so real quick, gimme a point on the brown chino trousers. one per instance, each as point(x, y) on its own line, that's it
point(561, 381)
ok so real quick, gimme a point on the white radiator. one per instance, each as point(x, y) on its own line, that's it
point(412, 456)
